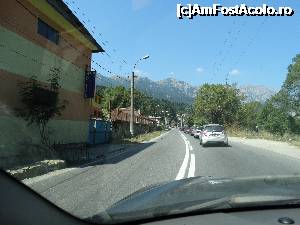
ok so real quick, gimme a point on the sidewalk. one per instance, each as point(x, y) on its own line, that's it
point(279, 147)
point(95, 154)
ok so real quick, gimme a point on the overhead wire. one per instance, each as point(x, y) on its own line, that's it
point(92, 29)
point(250, 43)
point(67, 42)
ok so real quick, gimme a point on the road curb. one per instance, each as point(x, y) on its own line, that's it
point(37, 169)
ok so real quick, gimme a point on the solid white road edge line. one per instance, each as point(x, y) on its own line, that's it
point(192, 166)
point(184, 164)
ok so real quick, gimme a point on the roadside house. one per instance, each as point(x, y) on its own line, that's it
point(120, 118)
point(35, 36)
point(123, 114)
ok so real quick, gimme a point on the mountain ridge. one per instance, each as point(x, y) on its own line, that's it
point(179, 91)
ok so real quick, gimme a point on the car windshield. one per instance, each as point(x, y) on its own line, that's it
point(214, 128)
point(106, 106)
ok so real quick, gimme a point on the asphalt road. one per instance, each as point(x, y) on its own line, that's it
point(85, 191)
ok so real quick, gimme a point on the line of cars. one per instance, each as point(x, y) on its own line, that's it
point(208, 134)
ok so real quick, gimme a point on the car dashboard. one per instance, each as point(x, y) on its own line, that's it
point(20, 205)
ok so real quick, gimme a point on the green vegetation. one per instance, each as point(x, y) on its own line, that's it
point(216, 103)
point(139, 138)
point(145, 137)
point(114, 97)
point(277, 119)
point(41, 103)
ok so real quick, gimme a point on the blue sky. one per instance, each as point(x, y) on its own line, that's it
point(253, 50)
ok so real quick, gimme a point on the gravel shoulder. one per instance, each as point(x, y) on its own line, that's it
point(279, 147)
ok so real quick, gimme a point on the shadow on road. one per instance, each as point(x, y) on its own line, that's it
point(217, 145)
point(106, 157)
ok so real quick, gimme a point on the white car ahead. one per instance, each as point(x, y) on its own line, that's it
point(213, 133)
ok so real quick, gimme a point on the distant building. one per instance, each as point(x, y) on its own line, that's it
point(36, 36)
point(156, 119)
point(123, 114)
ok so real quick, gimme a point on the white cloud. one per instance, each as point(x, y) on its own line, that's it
point(140, 72)
point(200, 70)
point(172, 73)
point(139, 4)
point(234, 72)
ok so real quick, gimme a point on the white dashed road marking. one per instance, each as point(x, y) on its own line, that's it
point(184, 165)
point(192, 166)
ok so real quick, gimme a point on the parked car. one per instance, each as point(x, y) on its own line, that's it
point(195, 130)
point(213, 133)
point(187, 130)
point(198, 132)
point(192, 132)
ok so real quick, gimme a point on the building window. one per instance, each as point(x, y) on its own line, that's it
point(47, 31)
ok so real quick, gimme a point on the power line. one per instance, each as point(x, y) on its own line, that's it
point(93, 30)
point(228, 44)
point(252, 39)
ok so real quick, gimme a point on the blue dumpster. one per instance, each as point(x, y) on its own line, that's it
point(99, 131)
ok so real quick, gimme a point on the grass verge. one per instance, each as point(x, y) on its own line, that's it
point(146, 137)
point(139, 138)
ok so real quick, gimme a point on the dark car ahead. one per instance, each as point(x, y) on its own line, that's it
point(187, 130)
point(192, 131)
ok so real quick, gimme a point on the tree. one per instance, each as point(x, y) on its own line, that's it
point(249, 114)
point(291, 94)
point(291, 86)
point(217, 103)
point(281, 114)
point(41, 103)
point(189, 120)
point(113, 97)
point(144, 103)
point(273, 118)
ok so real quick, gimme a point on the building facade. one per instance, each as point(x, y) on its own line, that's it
point(35, 37)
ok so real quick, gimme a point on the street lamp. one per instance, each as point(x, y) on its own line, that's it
point(132, 95)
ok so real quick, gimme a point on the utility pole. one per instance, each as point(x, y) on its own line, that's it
point(181, 120)
point(132, 104)
point(109, 108)
point(226, 79)
point(132, 96)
